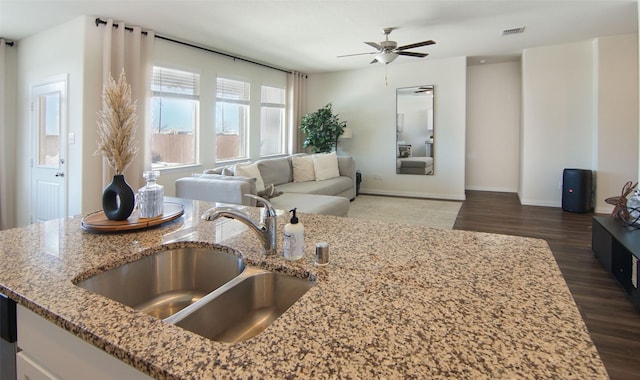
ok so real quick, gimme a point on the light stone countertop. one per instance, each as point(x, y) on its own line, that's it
point(395, 301)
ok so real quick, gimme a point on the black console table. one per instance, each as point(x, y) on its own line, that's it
point(617, 247)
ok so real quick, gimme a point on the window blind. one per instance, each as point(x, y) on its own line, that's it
point(229, 89)
point(175, 82)
point(272, 97)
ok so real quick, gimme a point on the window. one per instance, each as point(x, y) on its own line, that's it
point(232, 118)
point(48, 109)
point(272, 126)
point(175, 101)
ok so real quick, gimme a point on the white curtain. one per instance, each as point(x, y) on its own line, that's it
point(131, 50)
point(296, 108)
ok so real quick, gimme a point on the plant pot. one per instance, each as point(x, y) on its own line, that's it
point(118, 199)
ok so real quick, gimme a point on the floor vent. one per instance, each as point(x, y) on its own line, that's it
point(510, 31)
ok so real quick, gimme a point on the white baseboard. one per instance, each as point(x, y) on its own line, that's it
point(495, 189)
point(534, 202)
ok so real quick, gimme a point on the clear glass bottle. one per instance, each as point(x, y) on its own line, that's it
point(633, 206)
point(151, 196)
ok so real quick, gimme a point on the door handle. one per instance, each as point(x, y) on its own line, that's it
point(59, 174)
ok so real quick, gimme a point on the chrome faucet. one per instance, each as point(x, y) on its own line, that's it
point(266, 230)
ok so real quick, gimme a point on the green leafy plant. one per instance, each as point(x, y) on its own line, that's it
point(322, 129)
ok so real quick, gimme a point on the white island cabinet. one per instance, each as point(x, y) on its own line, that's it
point(49, 352)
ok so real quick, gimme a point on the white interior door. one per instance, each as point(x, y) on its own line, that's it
point(49, 126)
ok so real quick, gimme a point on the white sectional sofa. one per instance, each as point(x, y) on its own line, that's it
point(317, 184)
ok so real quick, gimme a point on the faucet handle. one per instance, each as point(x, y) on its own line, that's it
point(270, 210)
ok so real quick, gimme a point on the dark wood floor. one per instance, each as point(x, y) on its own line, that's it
point(612, 322)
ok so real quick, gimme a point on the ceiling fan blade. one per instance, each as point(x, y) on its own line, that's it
point(375, 60)
point(374, 45)
point(417, 44)
point(423, 89)
point(411, 54)
point(351, 55)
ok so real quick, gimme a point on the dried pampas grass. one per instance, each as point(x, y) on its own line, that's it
point(117, 124)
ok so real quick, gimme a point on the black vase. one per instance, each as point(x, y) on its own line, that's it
point(118, 199)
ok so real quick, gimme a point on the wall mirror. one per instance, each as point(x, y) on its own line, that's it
point(414, 130)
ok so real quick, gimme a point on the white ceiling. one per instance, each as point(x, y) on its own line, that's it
point(308, 35)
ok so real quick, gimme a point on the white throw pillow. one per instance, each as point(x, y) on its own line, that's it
point(302, 168)
point(325, 166)
point(248, 169)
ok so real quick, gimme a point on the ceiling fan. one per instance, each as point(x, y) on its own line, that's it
point(388, 51)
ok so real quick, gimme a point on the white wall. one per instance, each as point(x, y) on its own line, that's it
point(10, 82)
point(493, 127)
point(367, 104)
point(580, 103)
point(558, 118)
point(617, 106)
point(56, 51)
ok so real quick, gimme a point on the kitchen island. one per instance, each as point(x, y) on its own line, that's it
point(395, 301)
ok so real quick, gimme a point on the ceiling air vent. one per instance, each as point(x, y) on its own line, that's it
point(510, 31)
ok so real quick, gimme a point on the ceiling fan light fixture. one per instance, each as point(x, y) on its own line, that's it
point(386, 57)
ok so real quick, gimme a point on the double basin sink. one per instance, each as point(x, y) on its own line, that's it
point(204, 290)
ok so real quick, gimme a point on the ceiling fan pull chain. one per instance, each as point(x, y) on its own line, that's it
point(386, 82)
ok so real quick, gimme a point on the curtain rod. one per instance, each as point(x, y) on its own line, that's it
point(100, 21)
point(7, 42)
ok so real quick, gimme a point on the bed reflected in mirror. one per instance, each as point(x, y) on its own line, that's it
point(414, 130)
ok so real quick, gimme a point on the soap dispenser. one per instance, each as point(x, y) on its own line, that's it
point(293, 238)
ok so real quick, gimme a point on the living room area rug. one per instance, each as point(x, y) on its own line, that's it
point(424, 212)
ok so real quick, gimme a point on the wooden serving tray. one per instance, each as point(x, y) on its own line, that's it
point(98, 221)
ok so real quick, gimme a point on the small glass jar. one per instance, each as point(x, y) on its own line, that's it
point(151, 196)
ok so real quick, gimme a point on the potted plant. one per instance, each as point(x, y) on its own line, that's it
point(117, 130)
point(322, 129)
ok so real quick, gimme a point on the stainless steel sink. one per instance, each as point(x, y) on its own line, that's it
point(168, 281)
point(243, 308)
point(205, 290)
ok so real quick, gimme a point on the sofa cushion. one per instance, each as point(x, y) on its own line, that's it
point(303, 169)
point(325, 166)
point(275, 171)
point(248, 169)
point(312, 204)
point(331, 186)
